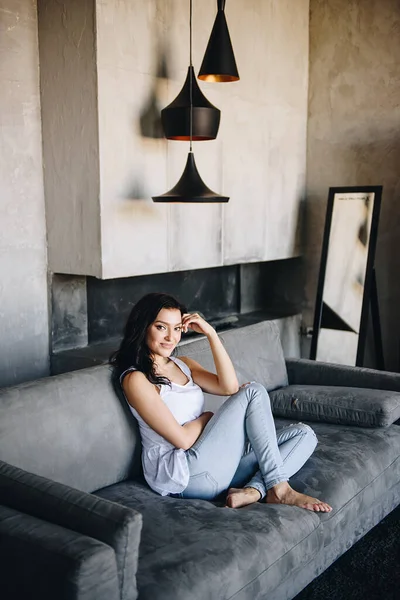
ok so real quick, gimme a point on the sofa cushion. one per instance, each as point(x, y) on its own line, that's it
point(350, 468)
point(49, 427)
point(197, 549)
point(334, 404)
point(255, 351)
point(257, 547)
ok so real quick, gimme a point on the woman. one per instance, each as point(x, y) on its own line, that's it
point(190, 453)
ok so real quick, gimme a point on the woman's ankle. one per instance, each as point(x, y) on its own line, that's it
point(279, 490)
point(252, 490)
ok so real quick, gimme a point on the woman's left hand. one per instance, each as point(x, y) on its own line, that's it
point(195, 322)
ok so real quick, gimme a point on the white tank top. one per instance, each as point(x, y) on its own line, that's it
point(164, 466)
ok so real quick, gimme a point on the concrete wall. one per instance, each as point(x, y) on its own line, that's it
point(99, 61)
point(68, 84)
point(353, 134)
point(24, 338)
point(258, 158)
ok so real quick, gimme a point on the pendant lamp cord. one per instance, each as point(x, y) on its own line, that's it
point(191, 77)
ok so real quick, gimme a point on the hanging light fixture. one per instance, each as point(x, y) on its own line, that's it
point(175, 117)
point(190, 187)
point(190, 109)
point(219, 63)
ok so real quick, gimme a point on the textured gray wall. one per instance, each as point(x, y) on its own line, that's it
point(258, 158)
point(99, 76)
point(68, 85)
point(24, 337)
point(100, 182)
point(353, 134)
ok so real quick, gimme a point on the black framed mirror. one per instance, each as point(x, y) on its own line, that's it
point(346, 283)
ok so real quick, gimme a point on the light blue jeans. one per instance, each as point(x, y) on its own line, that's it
point(240, 447)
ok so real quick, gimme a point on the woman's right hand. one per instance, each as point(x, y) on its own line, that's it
point(195, 428)
point(207, 416)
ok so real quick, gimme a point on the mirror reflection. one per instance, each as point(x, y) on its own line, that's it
point(345, 261)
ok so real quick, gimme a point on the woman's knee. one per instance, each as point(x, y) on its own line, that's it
point(255, 387)
point(251, 392)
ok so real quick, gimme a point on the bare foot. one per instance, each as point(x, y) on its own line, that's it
point(238, 497)
point(282, 493)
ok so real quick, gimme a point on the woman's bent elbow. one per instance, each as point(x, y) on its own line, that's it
point(187, 440)
point(232, 390)
point(185, 446)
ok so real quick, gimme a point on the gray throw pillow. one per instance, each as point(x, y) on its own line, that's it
point(334, 404)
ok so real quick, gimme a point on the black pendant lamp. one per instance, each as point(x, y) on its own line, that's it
point(175, 117)
point(190, 114)
point(219, 63)
point(190, 188)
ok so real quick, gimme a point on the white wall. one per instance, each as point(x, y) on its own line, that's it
point(24, 339)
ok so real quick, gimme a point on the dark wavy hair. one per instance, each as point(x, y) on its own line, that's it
point(133, 351)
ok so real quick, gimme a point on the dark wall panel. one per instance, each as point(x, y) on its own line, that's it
point(215, 292)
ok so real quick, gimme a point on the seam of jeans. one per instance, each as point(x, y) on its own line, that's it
point(283, 477)
point(302, 435)
point(248, 449)
point(275, 481)
point(258, 488)
point(198, 443)
point(207, 475)
point(215, 419)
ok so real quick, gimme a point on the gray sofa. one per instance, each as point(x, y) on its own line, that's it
point(78, 522)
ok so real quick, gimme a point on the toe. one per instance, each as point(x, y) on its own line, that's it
point(322, 506)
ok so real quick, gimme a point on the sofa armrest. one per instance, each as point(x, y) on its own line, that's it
point(46, 561)
point(302, 371)
point(108, 522)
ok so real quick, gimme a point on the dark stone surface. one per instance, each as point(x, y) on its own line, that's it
point(69, 312)
point(214, 292)
point(99, 353)
point(273, 286)
point(88, 312)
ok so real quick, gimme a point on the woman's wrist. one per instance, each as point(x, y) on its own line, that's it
point(212, 334)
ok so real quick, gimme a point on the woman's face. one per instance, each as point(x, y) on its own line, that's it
point(164, 334)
